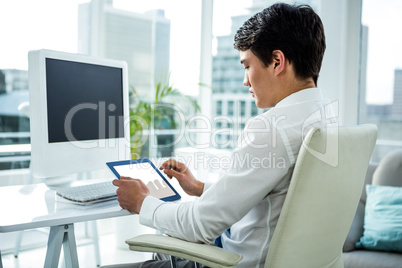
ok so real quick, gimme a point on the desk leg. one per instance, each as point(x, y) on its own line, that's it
point(58, 236)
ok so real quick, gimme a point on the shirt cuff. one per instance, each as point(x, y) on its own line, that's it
point(206, 186)
point(147, 211)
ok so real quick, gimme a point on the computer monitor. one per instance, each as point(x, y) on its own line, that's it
point(79, 112)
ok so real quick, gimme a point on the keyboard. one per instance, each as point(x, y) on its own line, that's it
point(90, 193)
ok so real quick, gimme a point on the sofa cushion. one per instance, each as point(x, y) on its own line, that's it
point(389, 170)
point(369, 258)
point(383, 219)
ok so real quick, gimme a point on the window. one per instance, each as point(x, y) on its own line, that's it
point(230, 108)
point(171, 54)
point(219, 107)
point(254, 108)
point(228, 73)
point(242, 108)
point(381, 88)
point(148, 35)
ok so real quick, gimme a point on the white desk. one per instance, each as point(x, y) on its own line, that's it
point(35, 206)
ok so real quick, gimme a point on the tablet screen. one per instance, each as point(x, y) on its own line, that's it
point(144, 170)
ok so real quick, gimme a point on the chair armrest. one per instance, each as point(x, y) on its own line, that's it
point(208, 255)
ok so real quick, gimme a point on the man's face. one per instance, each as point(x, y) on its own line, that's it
point(259, 79)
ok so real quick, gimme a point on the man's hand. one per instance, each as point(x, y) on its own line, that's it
point(190, 185)
point(131, 193)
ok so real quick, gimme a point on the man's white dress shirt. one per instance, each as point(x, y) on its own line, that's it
point(249, 195)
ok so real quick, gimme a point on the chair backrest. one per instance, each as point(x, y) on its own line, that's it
point(322, 198)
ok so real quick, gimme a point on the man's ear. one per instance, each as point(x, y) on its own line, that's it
point(278, 59)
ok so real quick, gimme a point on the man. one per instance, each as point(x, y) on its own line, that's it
point(281, 49)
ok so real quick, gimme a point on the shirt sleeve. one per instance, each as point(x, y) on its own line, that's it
point(259, 163)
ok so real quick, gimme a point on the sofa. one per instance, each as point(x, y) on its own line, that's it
point(357, 254)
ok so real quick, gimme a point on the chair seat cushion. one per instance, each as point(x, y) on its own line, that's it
point(211, 256)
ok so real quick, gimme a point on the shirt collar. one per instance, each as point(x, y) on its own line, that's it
point(308, 94)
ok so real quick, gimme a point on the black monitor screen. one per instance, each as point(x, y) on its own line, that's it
point(84, 101)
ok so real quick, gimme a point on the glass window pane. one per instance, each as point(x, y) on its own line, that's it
point(159, 41)
point(30, 25)
point(381, 76)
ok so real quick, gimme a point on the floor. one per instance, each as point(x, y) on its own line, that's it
point(111, 246)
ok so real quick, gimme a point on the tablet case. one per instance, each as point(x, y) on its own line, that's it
point(112, 166)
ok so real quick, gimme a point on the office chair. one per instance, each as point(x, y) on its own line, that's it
point(324, 191)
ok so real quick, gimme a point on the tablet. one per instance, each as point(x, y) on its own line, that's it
point(145, 170)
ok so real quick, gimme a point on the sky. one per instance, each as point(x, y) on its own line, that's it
point(384, 22)
point(29, 25)
point(53, 24)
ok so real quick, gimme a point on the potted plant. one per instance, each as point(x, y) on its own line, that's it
point(146, 115)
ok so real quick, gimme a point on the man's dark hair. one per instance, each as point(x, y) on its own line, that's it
point(296, 30)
